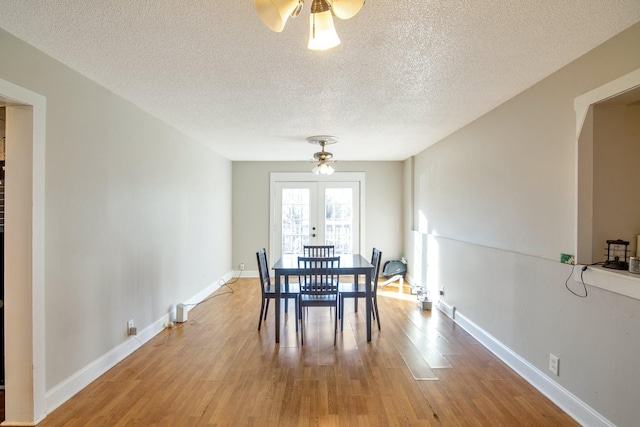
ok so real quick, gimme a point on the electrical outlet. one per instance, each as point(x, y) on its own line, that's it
point(554, 364)
point(131, 330)
point(567, 259)
point(242, 266)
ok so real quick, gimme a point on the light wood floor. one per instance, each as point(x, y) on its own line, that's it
point(218, 370)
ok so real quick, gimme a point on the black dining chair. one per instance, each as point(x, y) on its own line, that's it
point(319, 287)
point(357, 290)
point(318, 251)
point(288, 290)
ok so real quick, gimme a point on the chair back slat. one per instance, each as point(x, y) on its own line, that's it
point(376, 258)
point(319, 276)
point(263, 269)
point(318, 251)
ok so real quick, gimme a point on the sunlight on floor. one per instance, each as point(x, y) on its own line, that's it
point(392, 291)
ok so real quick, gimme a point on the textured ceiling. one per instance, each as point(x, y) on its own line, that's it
point(407, 73)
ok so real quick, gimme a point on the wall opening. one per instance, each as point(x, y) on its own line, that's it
point(608, 125)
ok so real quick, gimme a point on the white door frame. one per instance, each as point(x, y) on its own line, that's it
point(275, 177)
point(25, 387)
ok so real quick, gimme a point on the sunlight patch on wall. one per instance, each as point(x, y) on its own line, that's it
point(433, 265)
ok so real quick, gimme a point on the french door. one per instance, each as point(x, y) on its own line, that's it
point(315, 213)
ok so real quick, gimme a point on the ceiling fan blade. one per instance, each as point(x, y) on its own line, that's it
point(274, 13)
point(346, 9)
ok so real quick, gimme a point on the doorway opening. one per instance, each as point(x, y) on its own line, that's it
point(25, 398)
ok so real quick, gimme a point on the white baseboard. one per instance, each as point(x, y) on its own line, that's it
point(72, 385)
point(409, 279)
point(21, 424)
point(245, 273)
point(200, 296)
point(576, 408)
point(447, 309)
point(66, 389)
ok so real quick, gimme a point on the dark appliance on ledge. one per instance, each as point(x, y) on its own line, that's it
point(617, 255)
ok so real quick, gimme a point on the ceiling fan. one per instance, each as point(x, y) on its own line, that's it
point(322, 33)
point(323, 158)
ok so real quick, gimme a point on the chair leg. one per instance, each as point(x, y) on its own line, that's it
point(335, 326)
point(297, 309)
point(266, 308)
point(301, 326)
point(377, 313)
point(261, 311)
point(341, 313)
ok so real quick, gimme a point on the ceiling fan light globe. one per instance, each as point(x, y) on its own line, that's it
point(322, 32)
point(323, 168)
point(346, 9)
point(274, 13)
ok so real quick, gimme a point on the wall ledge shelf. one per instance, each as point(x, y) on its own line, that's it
point(618, 281)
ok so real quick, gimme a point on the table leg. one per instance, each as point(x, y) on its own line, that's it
point(369, 295)
point(277, 305)
point(355, 288)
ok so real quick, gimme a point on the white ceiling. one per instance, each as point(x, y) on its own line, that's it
point(407, 73)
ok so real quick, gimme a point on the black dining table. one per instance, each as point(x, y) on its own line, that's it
point(353, 265)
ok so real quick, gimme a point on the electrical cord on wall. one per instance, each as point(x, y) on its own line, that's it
point(223, 283)
point(584, 285)
point(566, 283)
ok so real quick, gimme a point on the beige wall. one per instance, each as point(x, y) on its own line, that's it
point(137, 217)
point(383, 206)
point(497, 207)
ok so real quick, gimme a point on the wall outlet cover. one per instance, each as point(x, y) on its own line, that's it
point(554, 363)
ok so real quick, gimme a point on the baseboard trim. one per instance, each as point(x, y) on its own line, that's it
point(72, 385)
point(66, 389)
point(245, 274)
point(200, 296)
point(572, 405)
point(448, 309)
point(20, 423)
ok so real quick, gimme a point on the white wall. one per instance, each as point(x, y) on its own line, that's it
point(138, 217)
point(496, 206)
point(383, 206)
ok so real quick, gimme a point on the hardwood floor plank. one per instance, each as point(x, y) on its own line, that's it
point(218, 370)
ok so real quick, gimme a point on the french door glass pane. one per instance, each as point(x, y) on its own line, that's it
point(295, 219)
point(339, 219)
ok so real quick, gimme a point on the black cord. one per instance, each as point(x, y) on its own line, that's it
point(584, 285)
point(566, 282)
point(214, 295)
point(232, 282)
point(224, 283)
